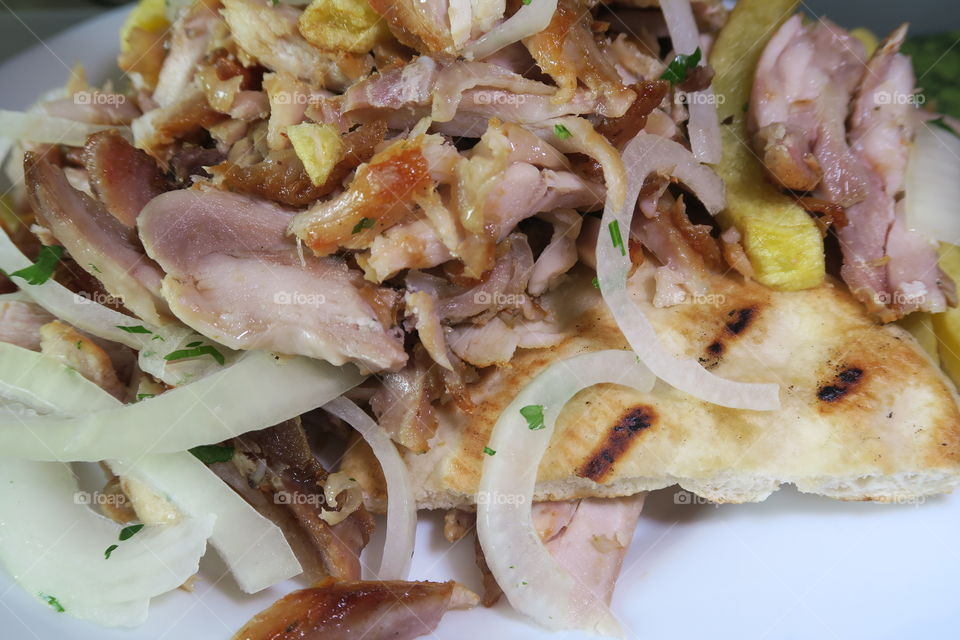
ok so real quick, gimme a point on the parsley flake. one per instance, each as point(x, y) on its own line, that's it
point(595, 282)
point(144, 396)
point(110, 549)
point(53, 602)
point(533, 413)
point(561, 131)
point(210, 453)
point(676, 71)
point(616, 237)
point(196, 352)
point(489, 451)
point(137, 329)
point(526, 1)
point(41, 270)
point(365, 223)
point(128, 532)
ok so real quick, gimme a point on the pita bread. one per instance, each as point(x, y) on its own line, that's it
point(865, 415)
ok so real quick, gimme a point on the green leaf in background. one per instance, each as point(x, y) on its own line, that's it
point(936, 61)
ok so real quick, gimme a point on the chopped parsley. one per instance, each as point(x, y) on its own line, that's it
point(79, 345)
point(41, 270)
point(365, 223)
point(489, 451)
point(210, 453)
point(196, 351)
point(194, 344)
point(137, 329)
point(676, 71)
point(526, 1)
point(128, 532)
point(110, 549)
point(595, 282)
point(95, 268)
point(616, 237)
point(561, 131)
point(144, 396)
point(53, 602)
point(533, 413)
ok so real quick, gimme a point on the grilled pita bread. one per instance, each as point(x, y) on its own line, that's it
point(866, 415)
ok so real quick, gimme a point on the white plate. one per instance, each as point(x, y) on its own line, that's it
point(795, 566)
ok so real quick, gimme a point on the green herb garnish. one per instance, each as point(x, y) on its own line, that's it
point(561, 131)
point(41, 270)
point(128, 532)
point(196, 352)
point(144, 396)
point(616, 237)
point(676, 71)
point(533, 413)
point(110, 549)
point(489, 451)
point(595, 282)
point(137, 329)
point(95, 268)
point(53, 602)
point(526, 1)
point(365, 223)
point(210, 453)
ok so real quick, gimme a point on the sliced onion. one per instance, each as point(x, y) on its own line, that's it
point(645, 154)
point(53, 545)
point(44, 129)
point(253, 548)
point(704, 125)
point(46, 385)
point(533, 581)
point(933, 184)
point(258, 391)
point(76, 310)
point(529, 19)
point(401, 507)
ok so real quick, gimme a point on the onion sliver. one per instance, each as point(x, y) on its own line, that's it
point(53, 545)
point(533, 581)
point(529, 19)
point(933, 184)
point(643, 155)
point(704, 125)
point(401, 507)
point(76, 310)
point(253, 548)
point(258, 391)
point(47, 385)
point(38, 127)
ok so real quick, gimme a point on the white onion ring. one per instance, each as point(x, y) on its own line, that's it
point(533, 581)
point(704, 125)
point(259, 390)
point(643, 155)
point(529, 19)
point(401, 507)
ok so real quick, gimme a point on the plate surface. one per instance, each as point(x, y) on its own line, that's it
point(796, 566)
